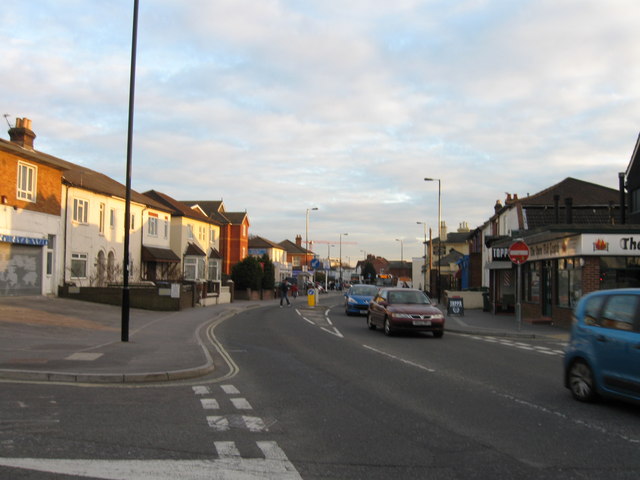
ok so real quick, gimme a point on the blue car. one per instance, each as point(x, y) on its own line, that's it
point(357, 298)
point(603, 355)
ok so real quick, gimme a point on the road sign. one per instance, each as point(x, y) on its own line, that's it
point(315, 263)
point(519, 252)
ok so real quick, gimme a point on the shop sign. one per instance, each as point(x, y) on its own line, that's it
point(40, 242)
point(588, 244)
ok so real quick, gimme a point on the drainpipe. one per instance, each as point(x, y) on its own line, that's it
point(66, 223)
point(623, 207)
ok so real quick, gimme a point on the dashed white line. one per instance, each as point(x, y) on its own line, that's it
point(408, 362)
point(230, 389)
point(241, 404)
point(210, 403)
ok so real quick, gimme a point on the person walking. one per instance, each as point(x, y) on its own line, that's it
point(284, 286)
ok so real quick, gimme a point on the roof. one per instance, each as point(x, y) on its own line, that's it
point(581, 192)
point(155, 254)
point(216, 211)
point(78, 176)
point(260, 242)
point(292, 248)
point(193, 249)
point(179, 209)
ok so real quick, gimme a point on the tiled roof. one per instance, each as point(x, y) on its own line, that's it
point(178, 209)
point(292, 248)
point(260, 242)
point(82, 177)
point(215, 210)
point(581, 192)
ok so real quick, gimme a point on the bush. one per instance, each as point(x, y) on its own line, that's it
point(247, 274)
point(268, 273)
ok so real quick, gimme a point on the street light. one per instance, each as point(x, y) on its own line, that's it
point(327, 270)
point(306, 239)
point(401, 256)
point(424, 224)
point(439, 228)
point(341, 258)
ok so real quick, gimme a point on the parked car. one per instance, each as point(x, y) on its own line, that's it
point(404, 309)
point(357, 298)
point(603, 355)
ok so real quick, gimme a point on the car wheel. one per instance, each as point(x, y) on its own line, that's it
point(438, 333)
point(387, 327)
point(370, 324)
point(581, 382)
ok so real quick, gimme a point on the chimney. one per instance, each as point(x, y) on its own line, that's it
point(568, 214)
point(497, 207)
point(299, 240)
point(22, 133)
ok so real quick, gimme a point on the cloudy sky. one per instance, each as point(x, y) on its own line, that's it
point(278, 106)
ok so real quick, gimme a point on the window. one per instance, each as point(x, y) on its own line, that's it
point(619, 312)
point(214, 269)
point(166, 227)
point(51, 245)
point(194, 268)
point(26, 182)
point(78, 265)
point(80, 210)
point(112, 218)
point(190, 232)
point(133, 222)
point(103, 208)
point(532, 282)
point(569, 282)
point(212, 235)
point(153, 226)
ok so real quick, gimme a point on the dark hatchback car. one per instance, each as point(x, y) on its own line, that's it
point(603, 355)
point(404, 309)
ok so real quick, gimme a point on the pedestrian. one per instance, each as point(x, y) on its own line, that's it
point(284, 286)
point(294, 290)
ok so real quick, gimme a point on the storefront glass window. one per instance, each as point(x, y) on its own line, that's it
point(532, 282)
point(569, 282)
point(619, 272)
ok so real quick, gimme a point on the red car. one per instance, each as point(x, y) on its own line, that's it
point(404, 309)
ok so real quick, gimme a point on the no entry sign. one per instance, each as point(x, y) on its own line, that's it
point(518, 252)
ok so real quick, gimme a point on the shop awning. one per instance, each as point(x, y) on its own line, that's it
point(156, 254)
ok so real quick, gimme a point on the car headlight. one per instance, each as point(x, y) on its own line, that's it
point(352, 300)
point(437, 316)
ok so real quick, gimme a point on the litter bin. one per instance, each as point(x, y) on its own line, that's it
point(486, 304)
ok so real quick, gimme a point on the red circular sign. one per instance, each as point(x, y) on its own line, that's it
point(518, 252)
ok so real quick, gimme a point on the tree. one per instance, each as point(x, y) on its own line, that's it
point(247, 274)
point(269, 273)
point(369, 273)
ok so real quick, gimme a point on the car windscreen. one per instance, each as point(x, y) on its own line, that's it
point(408, 297)
point(364, 290)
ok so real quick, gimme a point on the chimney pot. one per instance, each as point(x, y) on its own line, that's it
point(22, 134)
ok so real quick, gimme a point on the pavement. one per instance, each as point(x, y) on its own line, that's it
point(65, 340)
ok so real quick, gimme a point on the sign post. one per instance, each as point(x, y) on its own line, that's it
point(519, 254)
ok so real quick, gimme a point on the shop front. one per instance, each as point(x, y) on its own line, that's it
point(565, 264)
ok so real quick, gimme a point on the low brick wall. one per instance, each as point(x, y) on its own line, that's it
point(147, 298)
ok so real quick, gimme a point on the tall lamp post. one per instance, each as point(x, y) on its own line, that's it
point(424, 267)
point(341, 258)
point(439, 228)
point(327, 270)
point(306, 239)
point(401, 256)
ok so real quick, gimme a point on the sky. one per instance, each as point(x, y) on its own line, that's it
point(281, 106)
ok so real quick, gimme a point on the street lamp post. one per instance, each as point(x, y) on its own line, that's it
point(341, 259)
point(327, 270)
point(306, 239)
point(401, 256)
point(439, 229)
point(424, 267)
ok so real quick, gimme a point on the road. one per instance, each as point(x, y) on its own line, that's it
point(306, 393)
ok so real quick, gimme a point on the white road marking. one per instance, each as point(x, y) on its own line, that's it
point(241, 404)
point(408, 362)
point(227, 449)
point(210, 403)
point(520, 345)
point(201, 390)
point(229, 466)
point(230, 389)
point(84, 356)
point(219, 423)
point(255, 424)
